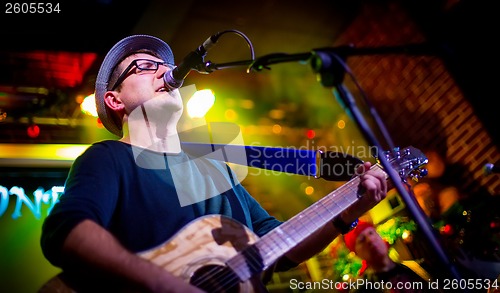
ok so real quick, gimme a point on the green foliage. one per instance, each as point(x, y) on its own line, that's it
point(394, 228)
point(346, 263)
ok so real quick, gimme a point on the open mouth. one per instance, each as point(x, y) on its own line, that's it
point(162, 89)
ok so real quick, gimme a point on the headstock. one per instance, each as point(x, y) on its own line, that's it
point(407, 162)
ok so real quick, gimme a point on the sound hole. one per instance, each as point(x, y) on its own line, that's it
point(214, 278)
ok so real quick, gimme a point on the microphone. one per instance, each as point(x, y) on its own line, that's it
point(491, 168)
point(175, 78)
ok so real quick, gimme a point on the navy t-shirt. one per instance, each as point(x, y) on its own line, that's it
point(135, 196)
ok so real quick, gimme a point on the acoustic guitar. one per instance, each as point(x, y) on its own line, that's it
point(218, 254)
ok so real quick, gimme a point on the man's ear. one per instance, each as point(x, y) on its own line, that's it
point(113, 101)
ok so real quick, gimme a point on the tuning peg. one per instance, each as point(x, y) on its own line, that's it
point(418, 174)
point(423, 172)
point(394, 154)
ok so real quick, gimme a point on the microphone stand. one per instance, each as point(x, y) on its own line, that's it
point(258, 64)
point(331, 70)
point(209, 67)
point(274, 58)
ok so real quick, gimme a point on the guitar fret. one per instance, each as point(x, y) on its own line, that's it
point(253, 259)
point(282, 242)
point(320, 214)
point(328, 208)
point(267, 249)
point(285, 236)
point(304, 227)
point(298, 228)
point(237, 264)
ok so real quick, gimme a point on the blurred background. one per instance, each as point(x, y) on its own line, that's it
point(427, 67)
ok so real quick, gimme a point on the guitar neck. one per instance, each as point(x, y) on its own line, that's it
point(289, 234)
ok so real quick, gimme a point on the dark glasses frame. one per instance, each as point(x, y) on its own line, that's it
point(140, 66)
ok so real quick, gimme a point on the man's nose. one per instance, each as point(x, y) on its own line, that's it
point(370, 239)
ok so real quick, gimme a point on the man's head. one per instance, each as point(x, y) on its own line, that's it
point(108, 75)
point(366, 242)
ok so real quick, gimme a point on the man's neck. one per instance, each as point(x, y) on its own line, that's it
point(148, 129)
point(164, 141)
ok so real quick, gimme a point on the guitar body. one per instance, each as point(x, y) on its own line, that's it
point(202, 246)
point(196, 254)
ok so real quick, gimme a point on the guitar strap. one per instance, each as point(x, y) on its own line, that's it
point(328, 165)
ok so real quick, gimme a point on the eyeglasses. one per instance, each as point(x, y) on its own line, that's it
point(142, 65)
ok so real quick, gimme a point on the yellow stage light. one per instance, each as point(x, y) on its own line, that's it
point(200, 103)
point(88, 106)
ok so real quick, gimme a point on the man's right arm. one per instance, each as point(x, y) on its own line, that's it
point(90, 246)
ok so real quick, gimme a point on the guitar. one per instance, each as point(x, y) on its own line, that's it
point(218, 254)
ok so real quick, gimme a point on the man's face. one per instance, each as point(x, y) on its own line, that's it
point(370, 246)
point(147, 86)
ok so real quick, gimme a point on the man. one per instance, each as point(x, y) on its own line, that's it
point(382, 274)
point(123, 197)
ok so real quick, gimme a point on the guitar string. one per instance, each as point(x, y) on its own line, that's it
point(226, 278)
point(340, 194)
point(222, 278)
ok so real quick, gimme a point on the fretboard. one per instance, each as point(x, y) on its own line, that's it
point(289, 234)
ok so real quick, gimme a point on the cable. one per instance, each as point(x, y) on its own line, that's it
point(250, 45)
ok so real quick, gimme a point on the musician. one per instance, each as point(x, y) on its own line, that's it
point(125, 196)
